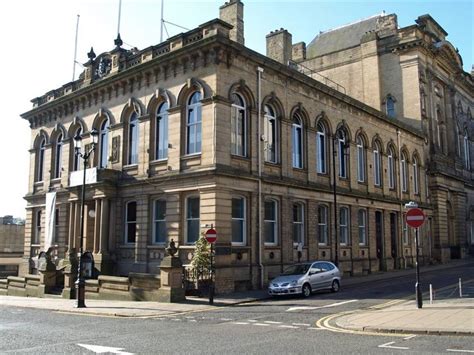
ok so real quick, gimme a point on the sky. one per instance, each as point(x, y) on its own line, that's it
point(37, 39)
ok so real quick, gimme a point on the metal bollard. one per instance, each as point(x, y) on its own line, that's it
point(460, 288)
point(431, 294)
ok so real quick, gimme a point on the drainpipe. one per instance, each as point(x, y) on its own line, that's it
point(402, 252)
point(259, 157)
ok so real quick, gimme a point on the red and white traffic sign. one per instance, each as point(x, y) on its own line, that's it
point(211, 235)
point(415, 217)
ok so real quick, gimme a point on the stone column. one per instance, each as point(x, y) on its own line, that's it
point(72, 225)
point(97, 225)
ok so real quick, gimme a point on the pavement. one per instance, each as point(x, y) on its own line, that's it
point(448, 316)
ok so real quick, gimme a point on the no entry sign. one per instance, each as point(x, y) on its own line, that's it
point(211, 235)
point(415, 217)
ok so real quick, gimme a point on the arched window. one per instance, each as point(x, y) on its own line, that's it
point(344, 225)
point(341, 138)
point(377, 165)
point(390, 106)
point(362, 219)
point(437, 126)
point(40, 159)
point(161, 132)
point(159, 222)
point(239, 225)
point(467, 153)
point(133, 139)
point(322, 225)
point(321, 144)
point(130, 222)
point(238, 126)
point(194, 124)
point(391, 168)
point(403, 172)
point(271, 222)
point(360, 159)
point(297, 141)
point(298, 223)
point(104, 144)
point(76, 161)
point(458, 144)
point(271, 142)
point(416, 176)
point(58, 156)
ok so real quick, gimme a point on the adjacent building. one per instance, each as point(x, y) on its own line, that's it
point(201, 130)
point(12, 238)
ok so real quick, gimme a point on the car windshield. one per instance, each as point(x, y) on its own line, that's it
point(296, 269)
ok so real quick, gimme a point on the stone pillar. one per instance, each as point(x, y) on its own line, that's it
point(72, 225)
point(97, 225)
point(47, 271)
point(171, 275)
point(69, 269)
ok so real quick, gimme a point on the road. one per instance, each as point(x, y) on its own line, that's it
point(286, 325)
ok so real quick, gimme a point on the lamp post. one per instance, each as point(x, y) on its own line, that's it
point(80, 282)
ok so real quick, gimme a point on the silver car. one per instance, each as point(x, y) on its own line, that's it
point(306, 278)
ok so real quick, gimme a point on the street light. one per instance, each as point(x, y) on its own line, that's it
point(345, 145)
point(80, 282)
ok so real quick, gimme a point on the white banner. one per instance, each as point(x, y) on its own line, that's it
point(76, 177)
point(49, 219)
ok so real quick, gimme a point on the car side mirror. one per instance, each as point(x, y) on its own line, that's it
point(312, 273)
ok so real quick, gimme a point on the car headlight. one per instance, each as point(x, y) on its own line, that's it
point(294, 283)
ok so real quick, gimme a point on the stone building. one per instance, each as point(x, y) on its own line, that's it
point(200, 130)
point(12, 238)
point(414, 75)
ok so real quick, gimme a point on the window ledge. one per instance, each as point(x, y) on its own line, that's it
point(271, 245)
point(163, 161)
point(239, 157)
point(130, 167)
point(191, 156)
point(127, 246)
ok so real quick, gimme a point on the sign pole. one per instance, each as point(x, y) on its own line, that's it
point(211, 286)
point(419, 298)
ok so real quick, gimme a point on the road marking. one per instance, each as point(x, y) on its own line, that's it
point(460, 351)
point(271, 322)
point(291, 309)
point(409, 337)
point(386, 304)
point(104, 349)
point(226, 319)
point(389, 346)
point(240, 323)
point(176, 319)
point(252, 320)
point(302, 324)
point(190, 317)
point(288, 326)
point(261, 324)
point(192, 320)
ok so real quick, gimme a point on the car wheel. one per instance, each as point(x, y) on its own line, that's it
point(335, 286)
point(306, 290)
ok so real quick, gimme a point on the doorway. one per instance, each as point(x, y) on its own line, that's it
point(393, 239)
point(379, 238)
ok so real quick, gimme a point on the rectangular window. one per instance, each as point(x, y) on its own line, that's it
point(192, 219)
point(344, 226)
point(360, 164)
point(56, 226)
point(362, 227)
point(298, 223)
point(159, 222)
point(237, 137)
point(270, 222)
point(238, 221)
point(194, 130)
point(342, 159)
point(37, 232)
point(377, 177)
point(323, 225)
point(404, 175)
point(391, 173)
point(415, 179)
point(321, 147)
point(131, 222)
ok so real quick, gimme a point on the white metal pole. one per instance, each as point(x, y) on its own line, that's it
point(119, 15)
point(460, 288)
point(431, 294)
point(75, 50)
point(161, 21)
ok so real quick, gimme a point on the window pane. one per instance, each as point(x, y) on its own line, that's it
point(160, 209)
point(193, 207)
point(269, 210)
point(237, 208)
point(131, 232)
point(237, 231)
point(131, 211)
point(193, 230)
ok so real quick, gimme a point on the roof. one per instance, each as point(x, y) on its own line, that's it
point(343, 37)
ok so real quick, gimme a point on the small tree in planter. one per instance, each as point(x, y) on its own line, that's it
point(200, 265)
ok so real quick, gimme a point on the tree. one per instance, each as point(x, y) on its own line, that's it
point(200, 265)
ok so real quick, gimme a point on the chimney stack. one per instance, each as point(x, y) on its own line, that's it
point(232, 12)
point(279, 46)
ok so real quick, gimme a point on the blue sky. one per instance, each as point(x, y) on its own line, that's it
point(38, 46)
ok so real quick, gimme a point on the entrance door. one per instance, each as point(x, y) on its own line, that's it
point(379, 237)
point(393, 238)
